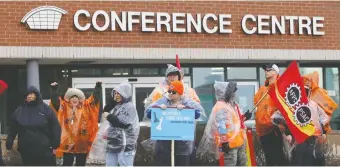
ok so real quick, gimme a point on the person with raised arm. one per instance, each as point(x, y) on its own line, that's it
point(78, 118)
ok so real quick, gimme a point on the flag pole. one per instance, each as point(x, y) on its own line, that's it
point(172, 154)
point(260, 100)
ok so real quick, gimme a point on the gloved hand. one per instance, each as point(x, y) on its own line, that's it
point(99, 84)
point(277, 121)
point(225, 147)
point(247, 115)
point(197, 114)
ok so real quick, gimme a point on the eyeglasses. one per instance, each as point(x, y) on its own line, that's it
point(172, 92)
point(268, 70)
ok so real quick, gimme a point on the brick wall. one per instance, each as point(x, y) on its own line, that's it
point(14, 33)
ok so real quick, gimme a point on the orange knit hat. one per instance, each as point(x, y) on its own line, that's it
point(177, 86)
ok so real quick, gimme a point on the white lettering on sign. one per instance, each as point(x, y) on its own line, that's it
point(275, 24)
point(146, 21)
point(132, 20)
point(208, 23)
point(163, 22)
point(263, 23)
point(195, 23)
point(303, 25)
point(106, 20)
point(122, 23)
point(178, 19)
point(206, 17)
point(245, 29)
point(223, 22)
point(316, 25)
point(75, 20)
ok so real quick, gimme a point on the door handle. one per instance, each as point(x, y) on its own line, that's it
point(132, 79)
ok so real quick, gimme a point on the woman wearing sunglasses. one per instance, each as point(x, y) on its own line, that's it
point(183, 149)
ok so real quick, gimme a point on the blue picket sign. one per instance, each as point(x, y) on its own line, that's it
point(172, 124)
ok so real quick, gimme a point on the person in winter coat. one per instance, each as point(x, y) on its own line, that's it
point(38, 131)
point(270, 136)
point(183, 149)
point(124, 130)
point(224, 135)
point(3, 87)
point(78, 118)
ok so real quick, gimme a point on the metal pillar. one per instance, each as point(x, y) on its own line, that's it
point(32, 69)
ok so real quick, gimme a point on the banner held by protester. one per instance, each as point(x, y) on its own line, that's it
point(289, 96)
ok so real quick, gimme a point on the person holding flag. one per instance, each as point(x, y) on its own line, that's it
point(3, 87)
point(270, 136)
point(302, 116)
point(327, 104)
point(309, 153)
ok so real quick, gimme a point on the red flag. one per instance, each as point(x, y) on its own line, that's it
point(178, 62)
point(3, 86)
point(289, 95)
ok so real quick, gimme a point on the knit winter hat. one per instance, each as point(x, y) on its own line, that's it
point(74, 92)
point(172, 69)
point(177, 86)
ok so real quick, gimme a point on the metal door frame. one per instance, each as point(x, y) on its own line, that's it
point(112, 82)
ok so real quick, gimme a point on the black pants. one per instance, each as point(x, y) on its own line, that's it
point(302, 154)
point(1, 160)
point(69, 158)
point(272, 144)
point(30, 159)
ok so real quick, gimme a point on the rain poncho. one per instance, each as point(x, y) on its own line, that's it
point(223, 125)
point(265, 110)
point(319, 117)
point(79, 126)
point(120, 131)
point(320, 96)
point(181, 147)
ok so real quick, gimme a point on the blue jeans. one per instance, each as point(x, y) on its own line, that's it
point(122, 158)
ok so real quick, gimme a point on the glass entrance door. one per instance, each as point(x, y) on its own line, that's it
point(142, 87)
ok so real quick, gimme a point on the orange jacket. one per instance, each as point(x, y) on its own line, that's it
point(265, 110)
point(227, 113)
point(320, 96)
point(79, 134)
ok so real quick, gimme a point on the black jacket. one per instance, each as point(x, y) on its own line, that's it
point(36, 125)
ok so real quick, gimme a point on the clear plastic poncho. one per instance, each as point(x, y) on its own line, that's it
point(113, 138)
point(208, 146)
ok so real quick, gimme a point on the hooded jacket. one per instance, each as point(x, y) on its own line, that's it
point(320, 97)
point(124, 130)
point(36, 125)
point(224, 124)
